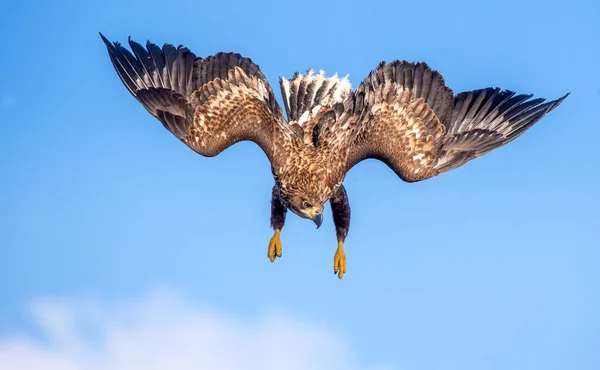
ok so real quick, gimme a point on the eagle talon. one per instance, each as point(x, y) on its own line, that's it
point(339, 260)
point(274, 249)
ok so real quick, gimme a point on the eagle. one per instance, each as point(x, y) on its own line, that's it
point(402, 114)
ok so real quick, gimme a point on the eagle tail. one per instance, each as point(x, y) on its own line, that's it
point(303, 93)
point(486, 119)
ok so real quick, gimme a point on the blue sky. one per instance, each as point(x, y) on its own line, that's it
point(491, 266)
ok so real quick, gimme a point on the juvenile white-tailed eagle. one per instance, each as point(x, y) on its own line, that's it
point(402, 114)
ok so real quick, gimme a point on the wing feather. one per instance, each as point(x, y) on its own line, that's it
point(390, 118)
point(404, 115)
point(486, 119)
point(209, 104)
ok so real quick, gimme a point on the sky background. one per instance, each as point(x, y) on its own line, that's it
point(120, 248)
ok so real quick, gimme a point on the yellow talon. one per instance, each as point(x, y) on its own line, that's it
point(339, 260)
point(274, 246)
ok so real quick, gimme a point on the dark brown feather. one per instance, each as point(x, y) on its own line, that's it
point(209, 103)
point(486, 119)
point(446, 131)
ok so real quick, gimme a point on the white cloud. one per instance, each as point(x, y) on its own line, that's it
point(164, 331)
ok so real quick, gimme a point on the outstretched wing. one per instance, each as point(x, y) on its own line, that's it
point(209, 104)
point(404, 115)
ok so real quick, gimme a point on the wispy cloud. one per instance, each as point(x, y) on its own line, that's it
point(164, 331)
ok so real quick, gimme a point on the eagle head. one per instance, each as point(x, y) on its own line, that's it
point(306, 206)
point(304, 193)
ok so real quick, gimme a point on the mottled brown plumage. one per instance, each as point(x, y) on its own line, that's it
point(402, 114)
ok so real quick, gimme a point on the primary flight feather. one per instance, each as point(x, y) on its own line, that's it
point(402, 114)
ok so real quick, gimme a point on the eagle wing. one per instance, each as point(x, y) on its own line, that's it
point(404, 115)
point(209, 104)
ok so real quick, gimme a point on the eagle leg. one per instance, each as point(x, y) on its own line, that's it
point(341, 218)
point(278, 211)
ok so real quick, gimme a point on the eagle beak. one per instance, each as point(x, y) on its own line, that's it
point(318, 219)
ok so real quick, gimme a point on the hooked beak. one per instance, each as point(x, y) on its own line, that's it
point(318, 219)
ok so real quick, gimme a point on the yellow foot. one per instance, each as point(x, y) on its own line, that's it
point(274, 246)
point(339, 260)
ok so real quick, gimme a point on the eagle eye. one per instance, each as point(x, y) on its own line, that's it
point(306, 204)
